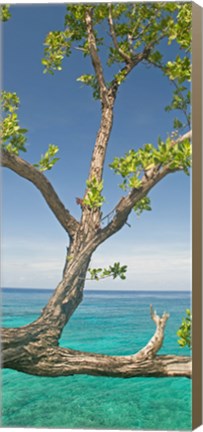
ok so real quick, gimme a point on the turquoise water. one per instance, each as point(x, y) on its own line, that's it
point(110, 323)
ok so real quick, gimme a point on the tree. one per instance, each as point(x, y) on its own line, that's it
point(135, 33)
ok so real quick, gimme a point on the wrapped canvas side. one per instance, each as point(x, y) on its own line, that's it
point(197, 214)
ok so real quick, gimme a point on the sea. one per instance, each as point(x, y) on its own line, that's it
point(108, 322)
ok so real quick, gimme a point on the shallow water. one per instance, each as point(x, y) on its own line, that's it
point(110, 323)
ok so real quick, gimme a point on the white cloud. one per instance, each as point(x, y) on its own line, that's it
point(154, 268)
point(30, 263)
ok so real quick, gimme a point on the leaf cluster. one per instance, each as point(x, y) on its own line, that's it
point(141, 205)
point(136, 26)
point(48, 160)
point(114, 271)
point(13, 136)
point(183, 27)
point(136, 163)
point(149, 160)
point(181, 102)
point(5, 14)
point(75, 21)
point(181, 32)
point(140, 25)
point(179, 69)
point(184, 332)
point(94, 198)
point(57, 46)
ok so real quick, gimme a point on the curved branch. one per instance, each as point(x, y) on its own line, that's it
point(156, 341)
point(28, 171)
point(47, 359)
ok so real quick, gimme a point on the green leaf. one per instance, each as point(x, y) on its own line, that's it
point(57, 46)
point(5, 14)
point(48, 160)
point(114, 271)
point(93, 198)
point(13, 136)
point(177, 124)
point(141, 205)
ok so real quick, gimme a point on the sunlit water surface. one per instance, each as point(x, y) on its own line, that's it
point(106, 322)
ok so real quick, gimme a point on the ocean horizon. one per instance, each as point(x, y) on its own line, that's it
point(92, 289)
point(111, 322)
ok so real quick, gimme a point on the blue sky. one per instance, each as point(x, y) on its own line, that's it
point(59, 110)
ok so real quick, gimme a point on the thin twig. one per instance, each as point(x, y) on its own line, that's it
point(125, 56)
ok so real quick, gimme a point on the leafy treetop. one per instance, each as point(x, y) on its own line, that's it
point(132, 31)
point(130, 28)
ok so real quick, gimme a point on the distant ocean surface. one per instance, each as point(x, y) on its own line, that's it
point(109, 322)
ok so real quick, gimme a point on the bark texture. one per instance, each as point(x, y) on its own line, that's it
point(29, 350)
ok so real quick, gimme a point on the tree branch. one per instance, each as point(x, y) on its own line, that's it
point(146, 27)
point(47, 359)
point(156, 341)
point(94, 56)
point(187, 135)
point(56, 362)
point(125, 56)
point(126, 204)
point(134, 61)
point(28, 171)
